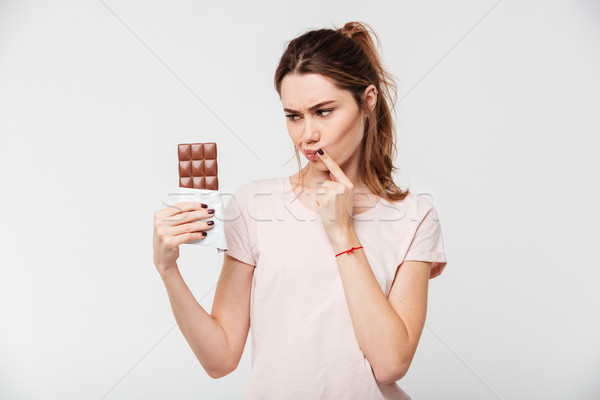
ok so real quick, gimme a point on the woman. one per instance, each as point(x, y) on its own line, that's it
point(329, 267)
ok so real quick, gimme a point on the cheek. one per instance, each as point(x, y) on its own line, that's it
point(346, 137)
point(294, 133)
point(348, 130)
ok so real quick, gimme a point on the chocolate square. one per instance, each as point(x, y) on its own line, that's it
point(198, 166)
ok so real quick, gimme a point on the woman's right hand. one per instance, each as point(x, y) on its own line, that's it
point(178, 224)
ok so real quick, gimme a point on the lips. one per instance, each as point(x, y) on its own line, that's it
point(310, 155)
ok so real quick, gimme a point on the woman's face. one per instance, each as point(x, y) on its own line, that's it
point(336, 126)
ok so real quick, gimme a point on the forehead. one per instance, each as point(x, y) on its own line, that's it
point(303, 91)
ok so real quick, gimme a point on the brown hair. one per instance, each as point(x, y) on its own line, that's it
point(348, 57)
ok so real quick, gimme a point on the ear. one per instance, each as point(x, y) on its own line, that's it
point(370, 98)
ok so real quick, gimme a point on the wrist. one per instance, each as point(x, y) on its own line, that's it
point(166, 272)
point(346, 242)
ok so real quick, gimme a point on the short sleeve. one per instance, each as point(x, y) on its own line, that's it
point(428, 243)
point(238, 229)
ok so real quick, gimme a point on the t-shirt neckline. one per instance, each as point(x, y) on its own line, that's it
point(294, 199)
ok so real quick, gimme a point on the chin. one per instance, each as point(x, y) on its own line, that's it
point(320, 166)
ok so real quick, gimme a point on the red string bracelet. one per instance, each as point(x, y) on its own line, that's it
point(348, 251)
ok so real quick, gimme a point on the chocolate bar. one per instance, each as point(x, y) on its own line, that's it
point(198, 166)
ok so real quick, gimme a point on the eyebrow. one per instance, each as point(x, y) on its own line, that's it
point(311, 108)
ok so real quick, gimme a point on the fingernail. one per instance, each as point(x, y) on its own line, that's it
point(204, 206)
point(211, 222)
point(320, 152)
point(204, 233)
point(211, 211)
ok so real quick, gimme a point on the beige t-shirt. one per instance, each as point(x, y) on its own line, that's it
point(303, 341)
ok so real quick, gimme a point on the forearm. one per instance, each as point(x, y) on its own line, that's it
point(381, 333)
point(204, 333)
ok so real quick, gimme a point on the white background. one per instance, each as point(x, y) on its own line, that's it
point(498, 121)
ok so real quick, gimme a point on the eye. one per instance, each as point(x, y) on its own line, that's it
point(292, 116)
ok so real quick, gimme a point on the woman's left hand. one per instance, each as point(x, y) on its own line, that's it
point(335, 201)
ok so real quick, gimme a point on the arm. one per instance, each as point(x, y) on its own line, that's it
point(388, 332)
point(215, 340)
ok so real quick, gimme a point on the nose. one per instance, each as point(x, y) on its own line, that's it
point(310, 132)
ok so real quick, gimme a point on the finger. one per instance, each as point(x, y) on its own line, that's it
point(189, 227)
point(181, 207)
point(188, 216)
point(188, 237)
point(334, 169)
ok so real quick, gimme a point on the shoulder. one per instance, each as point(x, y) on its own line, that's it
point(250, 190)
point(260, 185)
point(414, 206)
